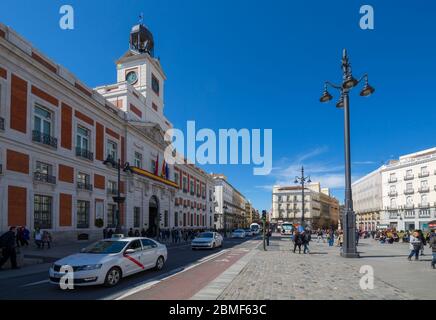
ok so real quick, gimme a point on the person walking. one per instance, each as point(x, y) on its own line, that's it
point(104, 233)
point(423, 241)
point(130, 233)
point(306, 239)
point(8, 244)
point(298, 241)
point(268, 235)
point(320, 237)
point(432, 245)
point(137, 233)
point(415, 246)
point(143, 233)
point(38, 238)
point(110, 233)
point(26, 236)
point(331, 237)
point(46, 239)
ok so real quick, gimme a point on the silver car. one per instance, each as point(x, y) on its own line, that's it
point(207, 240)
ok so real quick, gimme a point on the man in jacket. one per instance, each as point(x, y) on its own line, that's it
point(8, 243)
point(306, 239)
point(415, 245)
point(432, 244)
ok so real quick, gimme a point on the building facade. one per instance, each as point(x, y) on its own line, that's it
point(368, 201)
point(230, 207)
point(320, 209)
point(409, 191)
point(60, 143)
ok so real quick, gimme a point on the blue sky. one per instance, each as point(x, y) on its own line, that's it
point(262, 64)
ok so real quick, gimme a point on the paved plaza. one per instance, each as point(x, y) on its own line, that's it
point(280, 274)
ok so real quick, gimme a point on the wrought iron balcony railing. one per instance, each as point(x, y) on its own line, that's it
point(83, 153)
point(84, 186)
point(409, 177)
point(392, 180)
point(38, 136)
point(424, 174)
point(393, 193)
point(43, 177)
point(409, 191)
point(409, 206)
point(424, 190)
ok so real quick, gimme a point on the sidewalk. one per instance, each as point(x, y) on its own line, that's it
point(279, 274)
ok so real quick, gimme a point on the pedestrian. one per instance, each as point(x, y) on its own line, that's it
point(298, 241)
point(268, 235)
point(143, 233)
point(432, 245)
point(38, 238)
point(320, 237)
point(357, 237)
point(137, 233)
point(423, 242)
point(306, 239)
point(340, 239)
point(46, 239)
point(8, 244)
point(415, 246)
point(104, 233)
point(130, 233)
point(110, 233)
point(331, 237)
point(26, 236)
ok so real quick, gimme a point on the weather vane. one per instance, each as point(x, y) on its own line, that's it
point(141, 18)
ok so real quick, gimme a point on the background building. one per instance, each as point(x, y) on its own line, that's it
point(321, 210)
point(367, 200)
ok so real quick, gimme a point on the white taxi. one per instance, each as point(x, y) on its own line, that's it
point(107, 261)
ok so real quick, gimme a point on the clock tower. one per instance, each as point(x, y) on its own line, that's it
point(140, 69)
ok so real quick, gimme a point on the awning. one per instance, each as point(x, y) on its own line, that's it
point(147, 174)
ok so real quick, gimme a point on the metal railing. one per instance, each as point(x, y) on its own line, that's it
point(38, 136)
point(43, 177)
point(409, 191)
point(392, 180)
point(409, 177)
point(424, 190)
point(84, 186)
point(424, 174)
point(409, 206)
point(84, 153)
point(393, 193)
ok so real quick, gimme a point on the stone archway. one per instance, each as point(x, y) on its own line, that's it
point(153, 217)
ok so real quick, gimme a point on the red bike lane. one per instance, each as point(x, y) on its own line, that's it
point(185, 284)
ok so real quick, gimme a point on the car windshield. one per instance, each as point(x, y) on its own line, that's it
point(238, 231)
point(106, 247)
point(206, 235)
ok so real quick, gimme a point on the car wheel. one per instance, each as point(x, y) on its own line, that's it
point(159, 263)
point(113, 276)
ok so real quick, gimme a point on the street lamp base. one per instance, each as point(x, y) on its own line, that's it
point(350, 255)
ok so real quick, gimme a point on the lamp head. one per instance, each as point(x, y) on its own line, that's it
point(326, 96)
point(350, 82)
point(340, 103)
point(367, 89)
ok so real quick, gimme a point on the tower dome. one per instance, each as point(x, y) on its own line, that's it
point(141, 40)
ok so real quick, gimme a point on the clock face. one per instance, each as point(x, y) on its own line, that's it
point(132, 77)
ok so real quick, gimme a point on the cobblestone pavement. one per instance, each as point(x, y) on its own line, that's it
point(279, 274)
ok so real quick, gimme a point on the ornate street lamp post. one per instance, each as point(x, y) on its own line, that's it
point(349, 82)
point(302, 180)
point(118, 199)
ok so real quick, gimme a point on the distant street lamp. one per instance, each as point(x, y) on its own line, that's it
point(302, 180)
point(348, 83)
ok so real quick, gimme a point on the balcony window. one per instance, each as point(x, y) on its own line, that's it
point(111, 215)
point(392, 178)
point(424, 172)
point(136, 217)
point(82, 214)
point(138, 160)
point(112, 188)
point(43, 127)
point(82, 144)
point(185, 184)
point(42, 212)
point(43, 173)
point(177, 178)
point(155, 84)
point(112, 150)
point(84, 181)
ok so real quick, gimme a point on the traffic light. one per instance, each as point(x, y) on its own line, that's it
point(264, 215)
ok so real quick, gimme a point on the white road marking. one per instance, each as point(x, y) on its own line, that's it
point(34, 283)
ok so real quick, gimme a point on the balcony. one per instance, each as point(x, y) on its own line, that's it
point(392, 180)
point(84, 186)
point(424, 205)
point(83, 153)
point(410, 214)
point(425, 214)
point(2, 123)
point(112, 192)
point(409, 177)
point(424, 190)
point(409, 191)
point(393, 194)
point(43, 138)
point(409, 206)
point(392, 208)
point(43, 177)
point(424, 174)
point(393, 215)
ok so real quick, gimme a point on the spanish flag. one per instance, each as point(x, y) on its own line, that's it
point(164, 170)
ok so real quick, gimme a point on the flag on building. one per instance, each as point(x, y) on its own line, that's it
point(156, 167)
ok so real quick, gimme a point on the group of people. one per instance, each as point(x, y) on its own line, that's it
point(302, 238)
point(17, 237)
point(417, 243)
